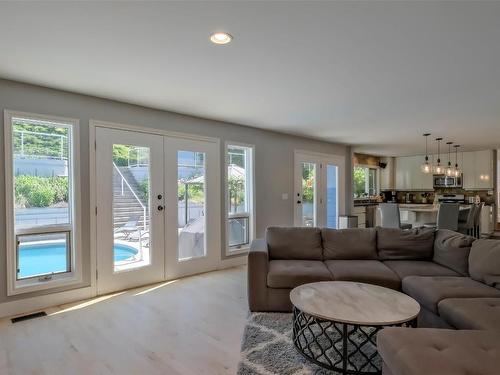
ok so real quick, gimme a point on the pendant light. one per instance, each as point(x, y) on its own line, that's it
point(456, 172)
point(426, 167)
point(449, 168)
point(438, 169)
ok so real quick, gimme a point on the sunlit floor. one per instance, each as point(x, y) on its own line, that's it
point(189, 326)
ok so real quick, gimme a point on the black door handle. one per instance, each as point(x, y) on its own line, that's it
point(160, 208)
point(299, 202)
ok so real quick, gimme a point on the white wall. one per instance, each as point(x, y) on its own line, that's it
point(274, 153)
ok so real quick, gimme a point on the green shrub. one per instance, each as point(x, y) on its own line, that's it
point(33, 191)
point(41, 196)
point(143, 188)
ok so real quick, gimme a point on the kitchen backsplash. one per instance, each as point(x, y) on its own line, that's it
point(419, 195)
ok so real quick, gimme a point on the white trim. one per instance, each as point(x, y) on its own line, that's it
point(93, 125)
point(252, 203)
point(75, 276)
point(26, 305)
point(93, 208)
point(149, 130)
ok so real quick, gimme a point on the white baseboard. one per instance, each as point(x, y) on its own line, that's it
point(26, 305)
point(232, 262)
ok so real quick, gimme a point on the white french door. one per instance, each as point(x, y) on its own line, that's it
point(318, 189)
point(192, 187)
point(158, 208)
point(130, 219)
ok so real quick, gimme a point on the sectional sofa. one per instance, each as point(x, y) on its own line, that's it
point(454, 277)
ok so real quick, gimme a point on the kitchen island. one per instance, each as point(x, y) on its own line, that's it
point(416, 214)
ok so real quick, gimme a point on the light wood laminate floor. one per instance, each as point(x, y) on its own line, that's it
point(189, 326)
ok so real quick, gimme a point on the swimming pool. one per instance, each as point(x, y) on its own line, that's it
point(40, 259)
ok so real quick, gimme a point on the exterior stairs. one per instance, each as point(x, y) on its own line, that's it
point(126, 205)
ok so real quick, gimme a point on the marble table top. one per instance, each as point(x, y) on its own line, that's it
point(354, 303)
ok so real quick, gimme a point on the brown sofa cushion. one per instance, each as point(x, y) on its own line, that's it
point(356, 243)
point(430, 290)
point(294, 243)
point(364, 271)
point(424, 351)
point(405, 268)
point(394, 243)
point(292, 273)
point(471, 313)
point(484, 262)
point(451, 249)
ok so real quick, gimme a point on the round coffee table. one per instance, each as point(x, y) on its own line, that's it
point(335, 323)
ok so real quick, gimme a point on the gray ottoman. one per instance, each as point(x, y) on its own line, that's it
point(409, 351)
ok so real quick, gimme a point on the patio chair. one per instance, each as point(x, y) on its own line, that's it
point(129, 227)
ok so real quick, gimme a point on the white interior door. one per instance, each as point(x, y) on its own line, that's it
point(192, 186)
point(319, 196)
point(130, 209)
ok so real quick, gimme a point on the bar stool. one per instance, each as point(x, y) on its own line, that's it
point(477, 220)
point(390, 216)
point(447, 217)
point(467, 227)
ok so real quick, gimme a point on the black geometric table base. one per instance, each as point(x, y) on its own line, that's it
point(340, 347)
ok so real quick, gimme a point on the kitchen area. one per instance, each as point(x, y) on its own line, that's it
point(419, 183)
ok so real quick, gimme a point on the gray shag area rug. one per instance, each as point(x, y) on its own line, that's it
point(267, 348)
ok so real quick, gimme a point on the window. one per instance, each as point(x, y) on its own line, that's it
point(365, 181)
point(239, 192)
point(40, 199)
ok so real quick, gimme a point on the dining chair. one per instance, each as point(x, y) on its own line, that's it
point(391, 217)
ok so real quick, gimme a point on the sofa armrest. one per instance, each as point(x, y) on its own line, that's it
point(258, 265)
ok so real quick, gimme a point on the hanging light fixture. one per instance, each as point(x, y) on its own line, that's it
point(449, 168)
point(426, 167)
point(438, 168)
point(456, 172)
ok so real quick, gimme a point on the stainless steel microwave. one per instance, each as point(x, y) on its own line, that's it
point(443, 181)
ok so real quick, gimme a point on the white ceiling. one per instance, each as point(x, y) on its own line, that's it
point(372, 74)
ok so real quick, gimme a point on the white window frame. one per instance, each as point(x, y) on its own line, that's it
point(26, 285)
point(377, 177)
point(250, 184)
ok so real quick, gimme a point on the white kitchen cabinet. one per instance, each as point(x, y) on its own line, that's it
point(402, 172)
point(387, 174)
point(484, 169)
point(468, 170)
point(477, 168)
point(409, 175)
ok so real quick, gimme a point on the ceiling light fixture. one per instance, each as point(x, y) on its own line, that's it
point(438, 169)
point(449, 169)
point(221, 37)
point(426, 167)
point(457, 172)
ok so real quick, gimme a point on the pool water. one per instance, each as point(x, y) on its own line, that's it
point(40, 259)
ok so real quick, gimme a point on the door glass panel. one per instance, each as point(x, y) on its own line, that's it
point(331, 196)
point(131, 207)
point(191, 204)
point(308, 218)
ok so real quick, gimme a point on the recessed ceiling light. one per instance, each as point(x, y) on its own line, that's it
point(221, 37)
